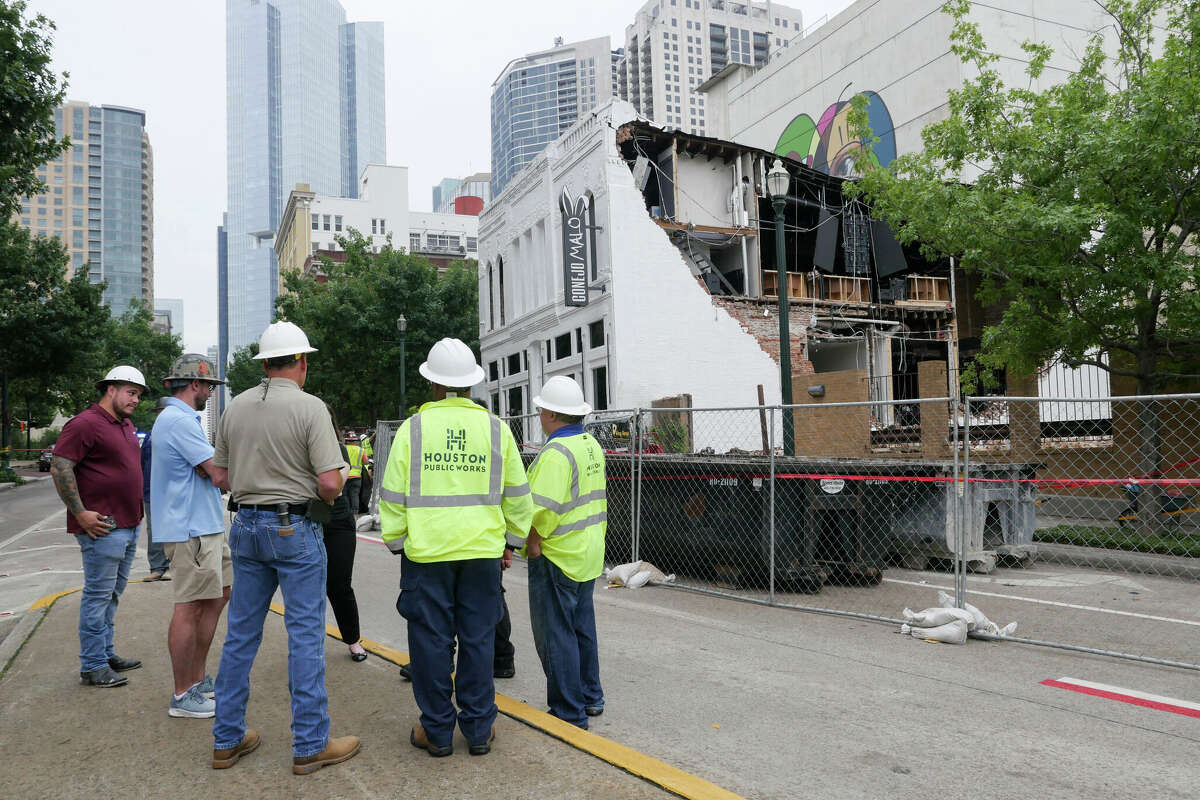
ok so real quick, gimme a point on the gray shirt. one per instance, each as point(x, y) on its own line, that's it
point(275, 440)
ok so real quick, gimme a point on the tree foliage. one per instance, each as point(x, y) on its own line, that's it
point(1082, 209)
point(351, 320)
point(29, 92)
point(244, 369)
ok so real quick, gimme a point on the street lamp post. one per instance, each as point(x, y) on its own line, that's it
point(778, 180)
point(402, 326)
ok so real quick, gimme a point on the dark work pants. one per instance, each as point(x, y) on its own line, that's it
point(351, 491)
point(340, 544)
point(440, 600)
point(504, 652)
point(364, 499)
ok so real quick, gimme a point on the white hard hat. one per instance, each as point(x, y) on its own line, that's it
point(123, 374)
point(283, 339)
point(451, 363)
point(562, 394)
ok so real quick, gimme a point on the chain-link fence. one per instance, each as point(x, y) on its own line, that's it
point(1077, 519)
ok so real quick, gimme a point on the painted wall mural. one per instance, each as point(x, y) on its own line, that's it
point(826, 144)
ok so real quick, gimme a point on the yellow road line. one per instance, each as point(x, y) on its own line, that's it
point(650, 769)
point(48, 600)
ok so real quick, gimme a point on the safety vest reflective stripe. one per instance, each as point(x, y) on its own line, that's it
point(451, 501)
point(515, 541)
point(571, 505)
point(580, 524)
point(397, 545)
point(562, 448)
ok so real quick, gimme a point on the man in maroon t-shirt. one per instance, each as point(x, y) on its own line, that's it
point(97, 470)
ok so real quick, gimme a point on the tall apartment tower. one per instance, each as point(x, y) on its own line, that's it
point(99, 200)
point(673, 46)
point(305, 104)
point(538, 96)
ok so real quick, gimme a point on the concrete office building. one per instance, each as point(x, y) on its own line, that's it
point(305, 104)
point(673, 46)
point(312, 222)
point(99, 200)
point(538, 96)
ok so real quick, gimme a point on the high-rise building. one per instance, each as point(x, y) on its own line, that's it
point(538, 96)
point(673, 46)
point(99, 200)
point(305, 104)
point(443, 191)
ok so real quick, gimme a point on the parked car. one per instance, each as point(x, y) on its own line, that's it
point(44, 461)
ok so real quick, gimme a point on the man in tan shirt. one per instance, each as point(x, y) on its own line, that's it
point(278, 454)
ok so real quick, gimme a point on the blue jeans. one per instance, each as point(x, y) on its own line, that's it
point(441, 600)
point(106, 564)
point(262, 561)
point(564, 632)
point(155, 554)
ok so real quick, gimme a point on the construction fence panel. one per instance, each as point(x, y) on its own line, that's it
point(385, 432)
point(1084, 523)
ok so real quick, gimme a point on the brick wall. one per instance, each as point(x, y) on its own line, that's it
point(838, 432)
point(765, 328)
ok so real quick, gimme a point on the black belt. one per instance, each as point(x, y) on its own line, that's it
point(299, 509)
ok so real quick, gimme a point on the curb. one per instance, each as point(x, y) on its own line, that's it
point(1101, 558)
point(6, 486)
point(17, 637)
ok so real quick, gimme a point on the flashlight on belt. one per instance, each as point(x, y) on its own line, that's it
point(285, 517)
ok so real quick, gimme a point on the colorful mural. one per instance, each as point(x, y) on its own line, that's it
point(826, 144)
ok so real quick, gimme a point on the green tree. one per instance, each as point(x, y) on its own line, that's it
point(351, 319)
point(1081, 219)
point(244, 369)
point(131, 339)
point(29, 93)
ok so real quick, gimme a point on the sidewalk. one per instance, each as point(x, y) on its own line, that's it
point(61, 739)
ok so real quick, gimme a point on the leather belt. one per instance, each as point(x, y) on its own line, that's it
point(299, 509)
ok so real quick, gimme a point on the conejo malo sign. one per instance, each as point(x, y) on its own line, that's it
point(575, 249)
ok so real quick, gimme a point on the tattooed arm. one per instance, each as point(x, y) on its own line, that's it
point(63, 472)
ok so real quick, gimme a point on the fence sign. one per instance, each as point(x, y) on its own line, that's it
point(575, 249)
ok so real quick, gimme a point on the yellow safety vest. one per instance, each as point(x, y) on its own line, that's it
point(571, 513)
point(355, 454)
point(454, 487)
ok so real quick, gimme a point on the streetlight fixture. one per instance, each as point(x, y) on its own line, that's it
point(402, 326)
point(778, 180)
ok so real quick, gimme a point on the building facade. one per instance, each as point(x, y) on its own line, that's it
point(304, 103)
point(444, 191)
point(628, 257)
point(312, 222)
point(538, 96)
point(673, 46)
point(99, 200)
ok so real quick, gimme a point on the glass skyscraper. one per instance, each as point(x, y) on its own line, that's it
point(305, 104)
point(540, 95)
point(99, 200)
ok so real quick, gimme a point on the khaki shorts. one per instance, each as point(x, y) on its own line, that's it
point(201, 567)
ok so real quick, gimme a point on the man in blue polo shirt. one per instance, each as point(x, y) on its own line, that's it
point(188, 520)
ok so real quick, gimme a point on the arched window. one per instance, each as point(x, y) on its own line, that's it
point(491, 304)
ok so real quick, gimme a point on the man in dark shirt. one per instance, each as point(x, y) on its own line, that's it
point(97, 471)
point(155, 554)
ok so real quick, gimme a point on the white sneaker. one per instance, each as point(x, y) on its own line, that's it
point(192, 704)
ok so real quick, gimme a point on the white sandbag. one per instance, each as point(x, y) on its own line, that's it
point(638, 580)
point(624, 574)
point(932, 617)
point(980, 621)
point(954, 632)
point(367, 522)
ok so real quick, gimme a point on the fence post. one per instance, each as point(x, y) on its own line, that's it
point(771, 513)
point(635, 484)
point(963, 532)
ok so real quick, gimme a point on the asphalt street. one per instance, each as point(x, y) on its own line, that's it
point(778, 703)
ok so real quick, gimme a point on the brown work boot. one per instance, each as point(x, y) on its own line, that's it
point(224, 759)
point(420, 739)
point(338, 750)
point(484, 748)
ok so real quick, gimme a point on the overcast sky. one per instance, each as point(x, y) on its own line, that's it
point(167, 58)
